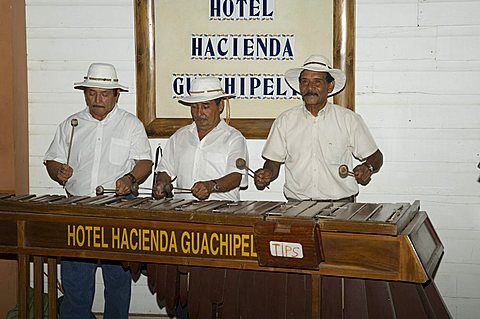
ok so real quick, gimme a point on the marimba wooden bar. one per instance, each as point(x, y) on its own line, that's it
point(318, 259)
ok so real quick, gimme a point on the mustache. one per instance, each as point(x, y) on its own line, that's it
point(98, 105)
point(310, 94)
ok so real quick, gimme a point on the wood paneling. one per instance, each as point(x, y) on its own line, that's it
point(13, 124)
point(13, 94)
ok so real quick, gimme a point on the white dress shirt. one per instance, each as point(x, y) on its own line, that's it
point(313, 148)
point(191, 160)
point(101, 151)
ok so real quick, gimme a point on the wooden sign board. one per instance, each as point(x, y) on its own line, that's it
point(290, 245)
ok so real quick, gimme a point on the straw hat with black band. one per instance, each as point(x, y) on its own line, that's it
point(206, 89)
point(317, 63)
point(100, 76)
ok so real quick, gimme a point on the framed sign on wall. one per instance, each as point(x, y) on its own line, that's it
point(247, 44)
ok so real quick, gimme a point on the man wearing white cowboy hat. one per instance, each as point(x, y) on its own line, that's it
point(202, 156)
point(100, 145)
point(315, 138)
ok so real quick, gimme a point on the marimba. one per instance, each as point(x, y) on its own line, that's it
point(247, 259)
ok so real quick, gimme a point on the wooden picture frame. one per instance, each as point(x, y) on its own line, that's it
point(158, 127)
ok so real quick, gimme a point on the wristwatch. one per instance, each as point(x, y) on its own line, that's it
point(370, 167)
point(132, 178)
point(215, 188)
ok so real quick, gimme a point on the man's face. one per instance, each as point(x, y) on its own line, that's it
point(100, 102)
point(206, 114)
point(314, 87)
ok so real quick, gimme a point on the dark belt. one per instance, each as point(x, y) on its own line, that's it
point(349, 199)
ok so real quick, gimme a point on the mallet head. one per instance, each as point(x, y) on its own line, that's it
point(99, 190)
point(241, 164)
point(343, 171)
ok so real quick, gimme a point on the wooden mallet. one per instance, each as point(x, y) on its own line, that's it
point(242, 164)
point(74, 123)
point(344, 172)
point(100, 190)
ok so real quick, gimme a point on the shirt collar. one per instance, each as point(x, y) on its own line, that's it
point(322, 112)
point(220, 126)
point(107, 119)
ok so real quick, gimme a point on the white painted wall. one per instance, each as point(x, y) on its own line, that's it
point(418, 69)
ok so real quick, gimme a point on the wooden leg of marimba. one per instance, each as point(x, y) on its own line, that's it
point(52, 288)
point(38, 286)
point(316, 296)
point(23, 285)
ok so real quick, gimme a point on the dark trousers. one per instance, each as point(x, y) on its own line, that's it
point(78, 281)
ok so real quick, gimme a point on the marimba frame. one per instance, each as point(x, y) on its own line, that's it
point(35, 220)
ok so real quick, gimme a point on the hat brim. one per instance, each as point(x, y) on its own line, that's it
point(103, 85)
point(191, 99)
point(292, 77)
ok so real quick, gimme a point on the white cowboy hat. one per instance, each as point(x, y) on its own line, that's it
point(101, 76)
point(204, 89)
point(317, 63)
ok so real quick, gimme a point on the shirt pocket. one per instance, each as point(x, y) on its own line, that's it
point(119, 151)
point(336, 155)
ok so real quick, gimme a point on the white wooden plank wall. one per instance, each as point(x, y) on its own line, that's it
point(418, 69)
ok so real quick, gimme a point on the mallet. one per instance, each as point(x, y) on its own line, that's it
point(242, 164)
point(100, 190)
point(169, 188)
point(74, 123)
point(344, 172)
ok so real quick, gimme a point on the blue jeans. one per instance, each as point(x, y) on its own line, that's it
point(78, 280)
